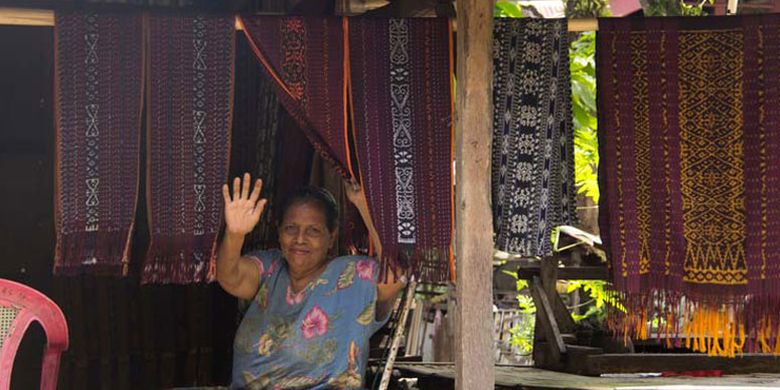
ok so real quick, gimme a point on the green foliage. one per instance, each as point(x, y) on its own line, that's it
point(582, 66)
point(522, 337)
point(587, 8)
point(675, 8)
point(599, 295)
point(507, 9)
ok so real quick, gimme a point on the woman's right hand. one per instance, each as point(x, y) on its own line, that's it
point(243, 210)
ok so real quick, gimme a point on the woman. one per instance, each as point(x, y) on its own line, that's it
point(311, 316)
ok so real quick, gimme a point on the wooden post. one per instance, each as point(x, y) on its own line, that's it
point(473, 225)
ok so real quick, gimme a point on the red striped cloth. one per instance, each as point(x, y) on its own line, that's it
point(98, 92)
point(189, 108)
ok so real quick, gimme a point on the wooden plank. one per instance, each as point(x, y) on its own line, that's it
point(546, 326)
point(659, 362)
point(45, 17)
point(534, 378)
point(26, 17)
point(549, 283)
point(473, 227)
point(581, 25)
point(577, 358)
point(36, 17)
point(566, 273)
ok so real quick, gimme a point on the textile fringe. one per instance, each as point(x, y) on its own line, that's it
point(707, 325)
point(107, 245)
point(432, 265)
point(175, 260)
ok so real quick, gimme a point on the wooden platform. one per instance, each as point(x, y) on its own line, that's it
point(442, 376)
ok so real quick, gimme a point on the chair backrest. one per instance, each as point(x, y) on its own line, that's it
point(19, 307)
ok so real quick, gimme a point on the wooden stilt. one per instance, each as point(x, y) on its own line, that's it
point(474, 364)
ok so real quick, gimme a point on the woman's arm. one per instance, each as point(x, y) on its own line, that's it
point(239, 275)
point(388, 289)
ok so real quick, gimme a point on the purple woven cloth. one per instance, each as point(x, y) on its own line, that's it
point(189, 109)
point(98, 92)
point(402, 102)
point(690, 184)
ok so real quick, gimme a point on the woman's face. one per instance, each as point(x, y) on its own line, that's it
point(304, 238)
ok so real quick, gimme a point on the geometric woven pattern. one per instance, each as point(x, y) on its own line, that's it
point(533, 156)
point(689, 181)
point(99, 91)
point(711, 163)
point(190, 108)
point(401, 96)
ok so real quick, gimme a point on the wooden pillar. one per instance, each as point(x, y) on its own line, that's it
point(474, 241)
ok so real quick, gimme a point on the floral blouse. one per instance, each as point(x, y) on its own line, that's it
point(314, 339)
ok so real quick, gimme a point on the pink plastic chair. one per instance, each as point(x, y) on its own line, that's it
point(19, 307)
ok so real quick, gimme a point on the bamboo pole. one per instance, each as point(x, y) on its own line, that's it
point(474, 366)
point(43, 17)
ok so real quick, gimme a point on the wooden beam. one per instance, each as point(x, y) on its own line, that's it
point(36, 17)
point(731, 7)
point(474, 367)
point(620, 363)
point(547, 325)
point(43, 17)
point(26, 17)
point(549, 279)
point(582, 25)
point(586, 272)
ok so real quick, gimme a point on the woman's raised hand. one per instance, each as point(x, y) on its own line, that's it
point(243, 209)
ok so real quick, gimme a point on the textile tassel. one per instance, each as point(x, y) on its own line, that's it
point(712, 328)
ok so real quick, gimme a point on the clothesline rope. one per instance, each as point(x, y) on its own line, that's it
point(44, 17)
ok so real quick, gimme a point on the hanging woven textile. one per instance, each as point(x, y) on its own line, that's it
point(306, 58)
point(402, 100)
point(189, 108)
point(254, 137)
point(690, 187)
point(98, 92)
point(533, 143)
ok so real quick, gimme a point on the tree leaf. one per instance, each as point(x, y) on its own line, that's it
point(508, 9)
point(347, 276)
point(297, 382)
point(366, 317)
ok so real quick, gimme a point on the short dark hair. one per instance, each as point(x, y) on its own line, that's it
point(318, 196)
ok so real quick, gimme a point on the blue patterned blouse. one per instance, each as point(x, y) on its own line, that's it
point(314, 339)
